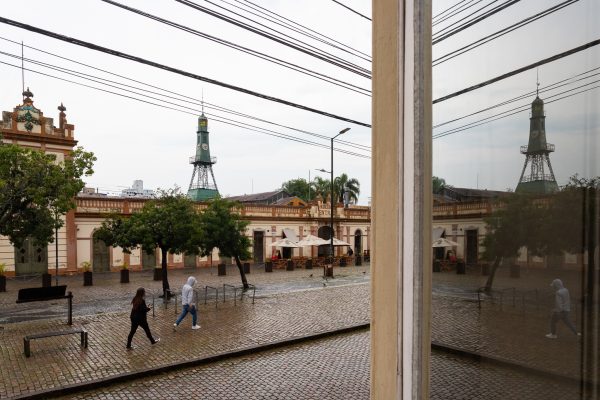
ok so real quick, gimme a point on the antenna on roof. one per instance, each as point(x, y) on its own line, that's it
point(22, 70)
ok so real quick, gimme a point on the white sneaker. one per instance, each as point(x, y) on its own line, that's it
point(196, 327)
point(552, 336)
point(174, 326)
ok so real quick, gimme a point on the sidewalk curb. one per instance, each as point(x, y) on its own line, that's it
point(148, 372)
point(503, 363)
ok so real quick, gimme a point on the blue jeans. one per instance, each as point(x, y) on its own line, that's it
point(192, 310)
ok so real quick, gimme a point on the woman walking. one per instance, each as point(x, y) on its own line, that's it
point(139, 310)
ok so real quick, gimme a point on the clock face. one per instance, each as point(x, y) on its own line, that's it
point(204, 146)
point(202, 123)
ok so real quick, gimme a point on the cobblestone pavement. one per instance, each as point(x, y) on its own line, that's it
point(332, 368)
point(459, 378)
point(497, 329)
point(59, 361)
point(108, 295)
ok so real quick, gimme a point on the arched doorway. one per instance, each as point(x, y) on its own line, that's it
point(324, 233)
point(100, 255)
point(31, 259)
point(148, 260)
point(358, 242)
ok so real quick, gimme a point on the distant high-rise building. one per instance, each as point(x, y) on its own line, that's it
point(137, 190)
point(539, 178)
point(201, 186)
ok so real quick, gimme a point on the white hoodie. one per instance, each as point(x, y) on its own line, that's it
point(187, 293)
point(562, 301)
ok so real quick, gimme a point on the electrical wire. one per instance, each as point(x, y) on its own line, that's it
point(543, 89)
point(502, 32)
point(456, 12)
point(438, 15)
point(282, 18)
point(194, 112)
point(144, 61)
point(245, 8)
point(519, 70)
point(267, 57)
point(180, 97)
point(354, 11)
point(303, 47)
point(515, 110)
point(439, 38)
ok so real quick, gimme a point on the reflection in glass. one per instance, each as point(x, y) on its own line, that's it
point(516, 213)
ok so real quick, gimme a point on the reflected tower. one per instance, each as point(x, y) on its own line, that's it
point(202, 187)
point(537, 175)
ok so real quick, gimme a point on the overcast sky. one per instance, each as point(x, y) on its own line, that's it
point(133, 140)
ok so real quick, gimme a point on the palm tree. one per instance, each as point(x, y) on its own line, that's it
point(343, 184)
point(321, 187)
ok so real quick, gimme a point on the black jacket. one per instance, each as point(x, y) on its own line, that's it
point(139, 312)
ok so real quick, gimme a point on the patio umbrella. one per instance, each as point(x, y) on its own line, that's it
point(443, 242)
point(312, 240)
point(338, 242)
point(285, 242)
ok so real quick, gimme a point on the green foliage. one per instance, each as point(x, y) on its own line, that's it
point(86, 266)
point(321, 187)
point(35, 191)
point(168, 222)
point(2, 268)
point(224, 229)
point(297, 187)
point(439, 184)
point(343, 184)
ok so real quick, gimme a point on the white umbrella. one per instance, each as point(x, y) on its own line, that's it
point(443, 242)
point(285, 242)
point(312, 240)
point(338, 242)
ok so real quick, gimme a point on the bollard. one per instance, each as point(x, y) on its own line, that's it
point(222, 270)
point(246, 268)
point(268, 266)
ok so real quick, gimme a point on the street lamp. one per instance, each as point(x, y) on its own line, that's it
point(332, 200)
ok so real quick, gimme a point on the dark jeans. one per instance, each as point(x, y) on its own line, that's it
point(134, 325)
point(561, 316)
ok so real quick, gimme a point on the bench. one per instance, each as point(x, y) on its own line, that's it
point(28, 338)
point(46, 294)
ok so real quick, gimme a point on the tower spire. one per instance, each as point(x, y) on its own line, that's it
point(540, 177)
point(537, 79)
point(203, 185)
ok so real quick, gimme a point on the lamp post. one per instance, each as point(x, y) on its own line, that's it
point(332, 197)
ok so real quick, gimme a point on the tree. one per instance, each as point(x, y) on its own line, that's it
point(438, 184)
point(321, 187)
point(223, 228)
point(35, 191)
point(510, 226)
point(169, 222)
point(342, 184)
point(297, 187)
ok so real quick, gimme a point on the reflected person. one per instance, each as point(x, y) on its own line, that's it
point(562, 308)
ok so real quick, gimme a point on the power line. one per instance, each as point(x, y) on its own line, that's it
point(456, 12)
point(354, 11)
point(180, 97)
point(246, 50)
point(303, 47)
point(282, 18)
point(547, 88)
point(252, 11)
point(438, 15)
point(439, 38)
point(519, 70)
point(502, 32)
point(141, 60)
point(171, 104)
point(514, 111)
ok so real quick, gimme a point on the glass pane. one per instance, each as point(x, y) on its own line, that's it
point(516, 118)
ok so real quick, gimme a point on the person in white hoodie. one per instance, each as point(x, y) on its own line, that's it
point(187, 300)
point(562, 308)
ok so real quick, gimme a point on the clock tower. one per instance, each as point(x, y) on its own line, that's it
point(539, 178)
point(201, 187)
